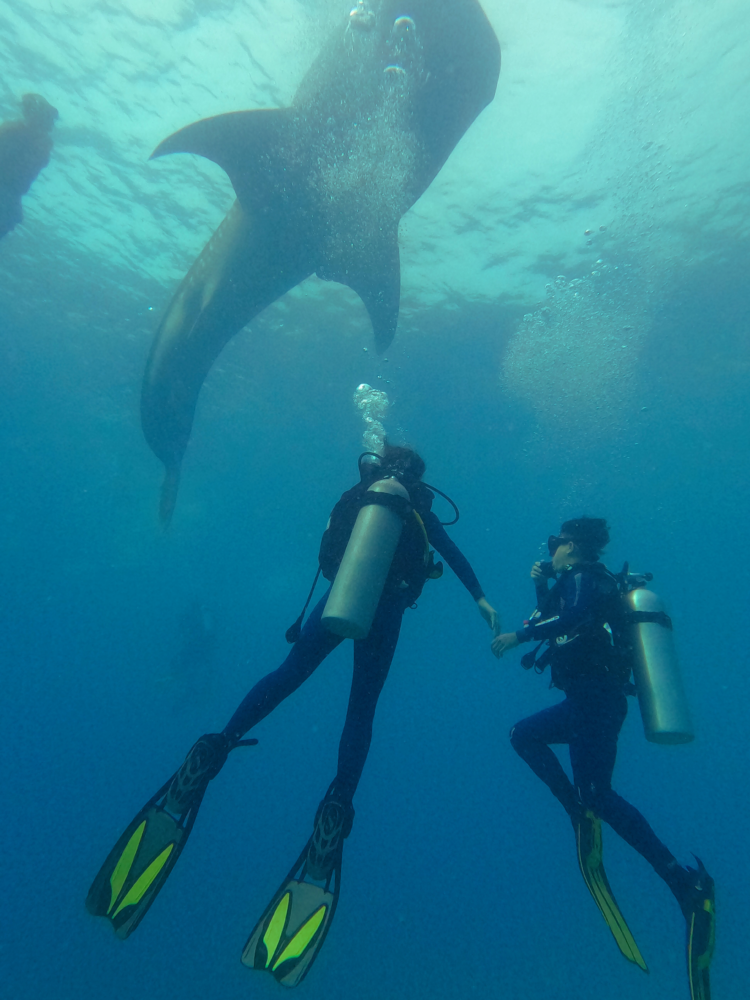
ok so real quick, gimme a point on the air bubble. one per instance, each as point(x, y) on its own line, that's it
point(373, 404)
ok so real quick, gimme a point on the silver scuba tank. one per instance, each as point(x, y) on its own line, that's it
point(656, 672)
point(360, 579)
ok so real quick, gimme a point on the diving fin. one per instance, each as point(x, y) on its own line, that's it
point(589, 842)
point(287, 938)
point(141, 860)
point(700, 914)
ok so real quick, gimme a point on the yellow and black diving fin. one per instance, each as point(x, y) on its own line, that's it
point(700, 914)
point(589, 842)
point(288, 937)
point(141, 860)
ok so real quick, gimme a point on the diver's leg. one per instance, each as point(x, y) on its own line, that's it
point(531, 737)
point(598, 719)
point(312, 647)
point(372, 661)
point(593, 756)
point(335, 815)
point(635, 830)
point(207, 756)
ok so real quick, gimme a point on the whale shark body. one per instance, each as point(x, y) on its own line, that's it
point(321, 186)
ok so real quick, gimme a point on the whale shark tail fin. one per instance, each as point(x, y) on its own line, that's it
point(168, 497)
point(247, 145)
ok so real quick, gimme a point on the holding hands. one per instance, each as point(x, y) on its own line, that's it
point(489, 614)
point(502, 643)
point(509, 640)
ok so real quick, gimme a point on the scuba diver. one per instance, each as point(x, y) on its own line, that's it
point(24, 151)
point(384, 525)
point(584, 624)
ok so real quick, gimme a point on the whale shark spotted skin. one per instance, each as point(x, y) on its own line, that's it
point(321, 186)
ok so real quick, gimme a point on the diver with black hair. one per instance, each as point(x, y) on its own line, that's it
point(25, 148)
point(389, 502)
point(581, 619)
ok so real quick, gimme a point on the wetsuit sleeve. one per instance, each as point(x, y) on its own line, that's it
point(578, 593)
point(455, 558)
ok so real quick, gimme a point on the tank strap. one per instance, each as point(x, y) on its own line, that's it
point(399, 505)
point(656, 617)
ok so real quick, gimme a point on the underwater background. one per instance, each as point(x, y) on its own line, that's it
point(573, 338)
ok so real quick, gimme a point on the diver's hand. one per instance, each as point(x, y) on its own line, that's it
point(489, 614)
point(542, 573)
point(537, 574)
point(502, 643)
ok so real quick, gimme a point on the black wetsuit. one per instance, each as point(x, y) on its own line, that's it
point(587, 666)
point(372, 655)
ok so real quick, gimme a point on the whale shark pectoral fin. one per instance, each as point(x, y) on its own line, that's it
point(374, 273)
point(247, 145)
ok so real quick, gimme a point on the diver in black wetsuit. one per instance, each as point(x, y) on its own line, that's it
point(574, 619)
point(132, 875)
point(373, 655)
point(25, 147)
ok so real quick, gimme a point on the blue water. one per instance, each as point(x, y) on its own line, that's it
point(460, 875)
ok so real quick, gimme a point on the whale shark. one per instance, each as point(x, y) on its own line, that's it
point(321, 186)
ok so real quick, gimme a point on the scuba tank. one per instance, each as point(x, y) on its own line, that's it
point(366, 563)
point(656, 672)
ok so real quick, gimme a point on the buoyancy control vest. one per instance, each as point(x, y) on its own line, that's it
point(413, 563)
point(592, 648)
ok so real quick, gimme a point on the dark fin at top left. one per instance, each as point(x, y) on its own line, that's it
point(247, 145)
